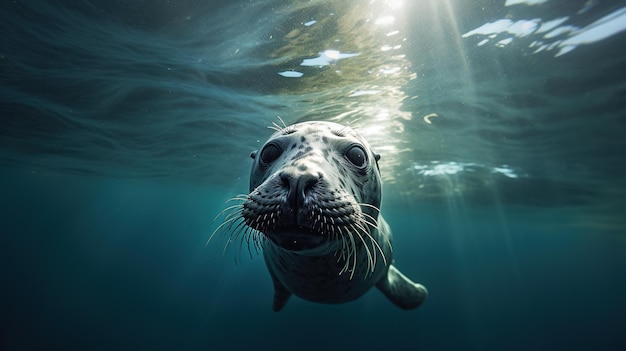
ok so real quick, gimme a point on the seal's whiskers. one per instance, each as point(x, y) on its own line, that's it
point(375, 244)
point(369, 220)
point(370, 206)
point(371, 261)
point(227, 222)
point(284, 129)
point(236, 231)
point(348, 252)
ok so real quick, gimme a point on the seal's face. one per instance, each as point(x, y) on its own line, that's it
point(311, 185)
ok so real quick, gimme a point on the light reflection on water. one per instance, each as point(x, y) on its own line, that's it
point(424, 81)
point(558, 33)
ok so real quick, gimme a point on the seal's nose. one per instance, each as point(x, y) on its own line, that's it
point(299, 184)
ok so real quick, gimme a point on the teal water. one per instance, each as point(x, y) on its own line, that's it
point(124, 128)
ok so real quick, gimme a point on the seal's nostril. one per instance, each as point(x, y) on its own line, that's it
point(298, 187)
point(309, 183)
point(285, 179)
point(306, 182)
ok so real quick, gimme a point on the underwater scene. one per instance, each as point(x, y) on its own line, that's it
point(126, 134)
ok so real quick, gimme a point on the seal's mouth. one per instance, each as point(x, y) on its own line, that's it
point(296, 238)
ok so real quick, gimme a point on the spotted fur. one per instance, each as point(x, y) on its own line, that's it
point(313, 208)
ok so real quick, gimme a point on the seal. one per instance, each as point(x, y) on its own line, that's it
point(314, 211)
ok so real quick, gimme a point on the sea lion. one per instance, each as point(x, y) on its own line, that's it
point(313, 209)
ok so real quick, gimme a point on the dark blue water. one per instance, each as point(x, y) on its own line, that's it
point(125, 126)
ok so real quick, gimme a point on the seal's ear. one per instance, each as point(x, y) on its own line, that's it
point(253, 154)
point(377, 157)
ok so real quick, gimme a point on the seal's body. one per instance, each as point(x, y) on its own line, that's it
point(313, 207)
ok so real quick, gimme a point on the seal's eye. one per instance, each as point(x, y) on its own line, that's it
point(270, 153)
point(356, 155)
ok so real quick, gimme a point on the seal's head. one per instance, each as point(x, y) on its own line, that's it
point(311, 184)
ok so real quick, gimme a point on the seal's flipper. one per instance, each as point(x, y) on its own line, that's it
point(401, 290)
point(281, 295)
